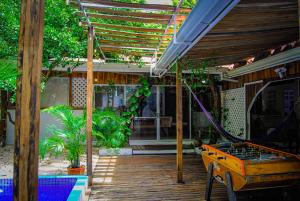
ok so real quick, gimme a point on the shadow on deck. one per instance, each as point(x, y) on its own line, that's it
point(153, 177)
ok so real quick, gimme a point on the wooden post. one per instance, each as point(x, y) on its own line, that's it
point(89, 105)
point(4, 103)
point(179, 123)
point(299, 18)
point(28, 100)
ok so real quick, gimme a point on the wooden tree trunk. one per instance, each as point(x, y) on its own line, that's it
point(28, 100)
point(89, 105)
point(4, 103)
point(179, 123)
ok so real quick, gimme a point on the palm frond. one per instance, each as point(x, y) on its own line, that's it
point(68, 140)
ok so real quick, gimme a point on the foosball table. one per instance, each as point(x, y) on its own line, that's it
point(246, 166)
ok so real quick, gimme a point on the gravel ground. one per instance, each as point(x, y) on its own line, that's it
point(49, 166)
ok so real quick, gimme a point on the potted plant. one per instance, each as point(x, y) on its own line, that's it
point(69, 140)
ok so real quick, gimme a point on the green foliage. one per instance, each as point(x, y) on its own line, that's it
point(8, 77)
point(113, 130)
point(119, 57)
point(225, 118)
point(9, 26)
point(63, 38)
point(143, 91)
point(199, 77)
point(128, 23)
point(68, 140)
point(110, 130)
point(137, 60)
point(186, 3)
point(62, 35)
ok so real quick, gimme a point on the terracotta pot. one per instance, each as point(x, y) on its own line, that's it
point(76, 171)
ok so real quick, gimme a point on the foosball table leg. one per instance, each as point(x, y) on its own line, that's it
point(210, 180)
point(231, 194)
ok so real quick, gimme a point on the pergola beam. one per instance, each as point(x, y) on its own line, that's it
point(130, 44)
point(130, 28)
point(130, 52)
point(129, 47)
point(82, 9)
point(145, 42)
point(135, 14)
point(126, 18)
point(129, 37)
point(172, 19)
point(126, 33)
point(125, 51)
point(132, 12)
point(27, 125)
point(113, 4)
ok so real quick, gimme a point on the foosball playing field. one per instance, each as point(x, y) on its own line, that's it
point(245, 166)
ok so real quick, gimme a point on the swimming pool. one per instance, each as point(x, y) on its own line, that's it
point(50, 188)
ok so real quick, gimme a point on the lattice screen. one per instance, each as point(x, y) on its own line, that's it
point(234, 101)
point(78, 92)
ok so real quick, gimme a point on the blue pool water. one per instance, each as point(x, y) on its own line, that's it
point(49, 189)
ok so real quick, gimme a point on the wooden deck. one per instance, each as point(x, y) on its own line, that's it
point(150, 178)
point(153, 178)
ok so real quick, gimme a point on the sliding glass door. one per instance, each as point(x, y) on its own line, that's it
point(167, 113)
point(156, 118)
point(144, 125)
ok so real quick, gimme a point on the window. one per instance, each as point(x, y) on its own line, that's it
point(55, 92)
point(289, 100)
point(109, 96)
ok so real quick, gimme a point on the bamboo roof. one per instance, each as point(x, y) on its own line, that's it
point(137, 29)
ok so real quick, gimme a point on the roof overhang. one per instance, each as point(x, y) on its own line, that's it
point(100, 66)
point(282, 58)
point(204, 16)
point(253, 30)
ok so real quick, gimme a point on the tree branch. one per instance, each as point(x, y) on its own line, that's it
point(10, 118)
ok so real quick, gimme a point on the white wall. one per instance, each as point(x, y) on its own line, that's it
point(45, 121)
point(56, 92)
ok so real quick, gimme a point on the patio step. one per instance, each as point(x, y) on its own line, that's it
point(160, 149)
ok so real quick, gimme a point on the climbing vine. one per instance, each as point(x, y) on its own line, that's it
point(199, 76)
point(206, 86)
point(143, 91)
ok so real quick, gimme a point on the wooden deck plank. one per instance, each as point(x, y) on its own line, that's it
point(151, 178)
point(154, 178)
